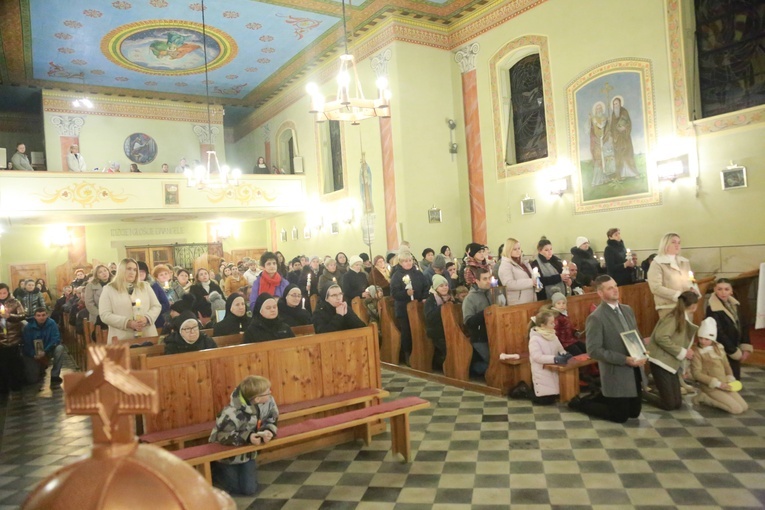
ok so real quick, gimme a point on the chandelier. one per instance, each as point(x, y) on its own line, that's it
point(346, 107)
point(202, 176)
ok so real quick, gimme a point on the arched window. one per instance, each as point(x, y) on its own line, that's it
point(527, 127)
point(331, 160)
point(288, 156)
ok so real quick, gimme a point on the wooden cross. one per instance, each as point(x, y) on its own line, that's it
point(110, 393)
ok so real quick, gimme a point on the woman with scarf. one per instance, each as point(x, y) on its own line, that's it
point(434, 326)
point(330, 276)
point(380, 275)
point(187, 336)
point(128, 306)
point(291, 309)
point(182, 283)
point(201, 290)
point(236, 320)
point(732, 330)
point(476, 257)
point(46, 293)
point(269, 281)
point(266, 324)
point(515, 274)
point(342, 262)
point(550, 270)
point(101, 278)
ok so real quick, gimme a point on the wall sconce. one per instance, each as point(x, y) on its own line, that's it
point(673, 168)
point(558, 186)
point(58, 237)
point(452, 144)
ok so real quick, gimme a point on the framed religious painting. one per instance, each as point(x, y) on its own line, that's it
point(612, 129)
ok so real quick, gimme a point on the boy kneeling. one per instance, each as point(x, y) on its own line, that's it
point(250, 418)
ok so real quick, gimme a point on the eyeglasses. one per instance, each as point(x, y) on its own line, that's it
point(190, 330)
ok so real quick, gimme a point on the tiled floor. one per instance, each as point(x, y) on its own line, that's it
point(471, 451)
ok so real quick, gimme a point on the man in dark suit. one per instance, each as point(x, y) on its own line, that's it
point(621, 375)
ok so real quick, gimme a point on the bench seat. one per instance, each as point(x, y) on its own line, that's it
point(397, 411)
point(178, 437)
point(568, 375)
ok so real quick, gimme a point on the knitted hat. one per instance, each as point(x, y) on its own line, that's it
point(474, 248)
point(142, 266)
point(558, 297)
point(708, 329)
point(581, 240)
point(439, 262)
point(389, 257)
point(438, 280)
point(353, 259)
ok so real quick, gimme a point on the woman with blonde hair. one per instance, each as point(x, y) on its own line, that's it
point(128, 306)
point(515, 274)
point(668, 275)
point(101, 278)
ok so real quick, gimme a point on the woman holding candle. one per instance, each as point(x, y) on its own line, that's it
point(235, 320)
point(201, 290)
point(292, 309)
point(380, 276)
point(619, 263)
point(163, 276)
point(128, 306)
point(669, 275)
point(355, 280)
point(586, 261)
point(550, 270)
point(407, 284)
point(515, 274)
point(309, 280)
point(330, 275)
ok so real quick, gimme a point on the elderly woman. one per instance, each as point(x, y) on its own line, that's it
point(407, 284)
point(291, 309)
point(182, 282)
point(585, 260)
point(269, 281)
point(235, 320)
point(668, 275)
point(128, 306)
point(515, 275)
point(380, 275)
point(355, 280)
point(266, 324)
point(334, 314)
point(550, 271)
point(187, 336)
point(163, 275)
point(331, 275)
point(201, 290)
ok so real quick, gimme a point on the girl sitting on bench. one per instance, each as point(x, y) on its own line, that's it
point(250, 418)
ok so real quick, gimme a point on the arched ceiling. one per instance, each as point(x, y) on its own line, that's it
point(154, 48)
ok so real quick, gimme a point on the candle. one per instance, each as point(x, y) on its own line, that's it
point(494, 282)
point(303, 303)
point(2, 309)
point(565, 263)
point(565, 267)
point(167, 284)
point(690, 276)
point(628, 251)
point(138, 303)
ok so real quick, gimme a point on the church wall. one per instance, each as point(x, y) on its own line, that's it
point(112, 120)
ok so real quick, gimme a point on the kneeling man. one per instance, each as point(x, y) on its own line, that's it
point(42, 343)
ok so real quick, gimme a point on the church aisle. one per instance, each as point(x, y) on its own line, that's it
point(471, 451)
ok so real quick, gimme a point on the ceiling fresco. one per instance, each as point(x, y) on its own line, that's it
point(159, 45)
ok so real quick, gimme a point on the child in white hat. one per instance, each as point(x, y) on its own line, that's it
point(711, 369)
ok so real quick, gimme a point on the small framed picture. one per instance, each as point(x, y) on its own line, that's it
point(733, 177)
point(171, 194)
point(294, 233)
point(307, 232)
point(634, 344)
point(335, 228)
point(434, 215)
point(528, 206)
point(283, 235)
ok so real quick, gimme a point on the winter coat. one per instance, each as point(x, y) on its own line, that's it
point(91, 296)
point(732, 333)
point(278, 292)
point(710, 366)
point(398, 289)
point(31, 301)
point(231, 324)
point(303, 283)
point(587, 265)
point(667, 279)
point(48, 333)
point(201, 305)
point(231, 285)
point(668, 347)
point(354, 284)
point(327, 279)
point(116, 309)
point(216, 303)
point(564, 329)
point(265, 330)
point(380, 280)
point(326, 319)
point(550, 283)
point(434, 326)
point(467, 275)
point(519, 286)
point(10, 335)
point(164, 303)
point(615, 255)
point(238, 420)
point(542, 351)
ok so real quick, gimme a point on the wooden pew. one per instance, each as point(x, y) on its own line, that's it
point(194, 387)
point(568, 377)
point(357, 421)
point(159, 349)
point(459, 350)
point(314, 301)
point(422, 346)
point(390, 349)
point(357, 304)
point(303, 330)
point(209, 332)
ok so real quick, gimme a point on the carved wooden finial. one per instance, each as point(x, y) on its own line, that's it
point(110, 393)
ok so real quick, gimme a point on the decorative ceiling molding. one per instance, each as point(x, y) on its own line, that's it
point(68, 125)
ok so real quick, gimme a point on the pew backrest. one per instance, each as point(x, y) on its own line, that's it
point(459, 350)
point(303, 330)
point(422, 346)
point(194, 387)
point(357, 304)
point(391, 336)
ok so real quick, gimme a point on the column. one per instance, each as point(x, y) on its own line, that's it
point(380, 67)
point(466, 59)
point(206, 135)
point(68, 127)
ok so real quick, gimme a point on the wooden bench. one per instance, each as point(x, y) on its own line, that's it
point(568, 376)
point(159, 349)
point(194, 387)
point(303, 330)
point(422, 346)
point(357, 304)
point(390, 349)
point(178, 438)
point(459, 350)
point(358, 420)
